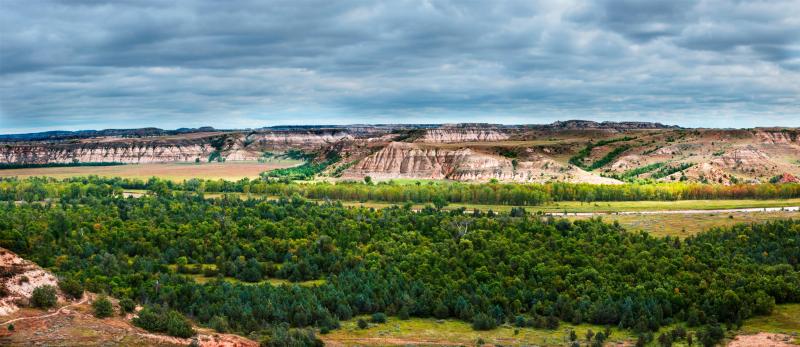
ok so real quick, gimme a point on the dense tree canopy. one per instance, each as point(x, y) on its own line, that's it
point(394, 260)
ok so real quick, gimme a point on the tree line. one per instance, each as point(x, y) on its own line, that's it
point(451, 192)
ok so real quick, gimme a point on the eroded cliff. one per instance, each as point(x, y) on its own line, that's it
point(409, 160)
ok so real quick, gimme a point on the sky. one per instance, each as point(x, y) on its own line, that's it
point(90, 64)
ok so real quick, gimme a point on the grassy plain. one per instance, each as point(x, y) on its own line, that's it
point(684, 225)
point(785, 319)
point(178, 171)
point(613, 206)
point(200, 278)
point(428, 331)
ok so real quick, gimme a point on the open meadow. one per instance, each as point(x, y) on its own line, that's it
point(178, 171)
point(431, 331)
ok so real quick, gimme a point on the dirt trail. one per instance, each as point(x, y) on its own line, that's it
point(47, 315)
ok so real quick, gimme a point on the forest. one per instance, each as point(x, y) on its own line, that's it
point(34, 189)
point(512, 268)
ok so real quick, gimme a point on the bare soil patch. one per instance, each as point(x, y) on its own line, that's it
point(762, 340)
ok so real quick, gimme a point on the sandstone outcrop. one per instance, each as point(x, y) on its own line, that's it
point(409, 160)
point(444, 135)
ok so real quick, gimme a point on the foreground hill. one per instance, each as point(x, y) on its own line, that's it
point(71, 322)
point(571, 151)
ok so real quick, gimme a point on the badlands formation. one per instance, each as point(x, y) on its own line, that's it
point(570, 151)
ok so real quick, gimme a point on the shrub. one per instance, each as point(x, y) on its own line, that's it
point(441, 311)
point(11, 327)
point(219, 324)
point(362, 324)
point(552, 322)
point(483, 321)
point(711, 335)
point(71, 288)
point(403, 314)
point(159, 319)
point(520, 321)
point(126, 305)
point(379, 317)
point(44, 297)
point(102, 307)
point(282, 336)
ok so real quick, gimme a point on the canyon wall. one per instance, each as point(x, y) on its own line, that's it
point(409, 160)
point(231, 146)
point(103, 152)
point(443, 135)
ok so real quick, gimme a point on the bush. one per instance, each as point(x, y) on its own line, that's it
point(552, 322)
point(403, 314)
point(362, 324)
point(711, 335)
point(44, 297)
point(281, 337)
point(219, 324)
point(441, 311)
point(11, 327)
point(483, 321)
point(102, 307)
point(159, 319)
point(379, 317)
point(127, 305)
point(520, 321)
point(71, 288)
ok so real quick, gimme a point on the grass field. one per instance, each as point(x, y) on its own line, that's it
point(619, 206)
point(232, 170)
point(681, 225)
point(684, 225)
point(613, 206)
point(785, 319)
point(200, 278)
point(428, 331)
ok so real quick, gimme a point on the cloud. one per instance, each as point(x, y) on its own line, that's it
point(94, 64)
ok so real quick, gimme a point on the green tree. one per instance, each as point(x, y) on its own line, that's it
point(483, 321)
point(378, 317)
point(102, 307)
point(44, 297)
point(71, 288)
point(126, 305)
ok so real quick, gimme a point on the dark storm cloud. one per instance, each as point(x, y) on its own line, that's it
point(91, 64)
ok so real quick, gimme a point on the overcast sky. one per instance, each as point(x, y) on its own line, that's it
point(83, 64)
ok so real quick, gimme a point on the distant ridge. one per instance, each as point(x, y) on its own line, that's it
point(587, 124)
point(58, 135)
point(78, 134)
